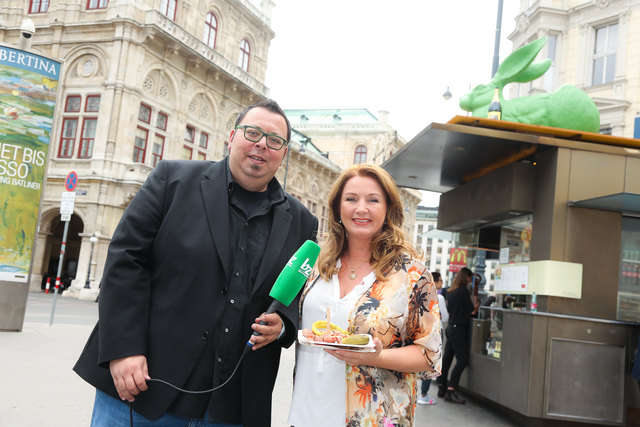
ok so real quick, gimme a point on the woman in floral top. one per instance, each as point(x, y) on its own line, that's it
point(368, 276)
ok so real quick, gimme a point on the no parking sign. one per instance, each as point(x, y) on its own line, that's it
point(71, 182)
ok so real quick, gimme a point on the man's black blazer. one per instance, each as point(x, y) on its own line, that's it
point(162, 287)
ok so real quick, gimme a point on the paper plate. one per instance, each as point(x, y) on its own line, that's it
point(366, 348)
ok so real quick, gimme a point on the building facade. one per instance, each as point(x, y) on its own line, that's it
point(594, 45)
point(435, 251)
point(142, 80)
point(354, 136)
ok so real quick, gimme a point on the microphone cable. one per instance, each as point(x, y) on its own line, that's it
point(244, 352)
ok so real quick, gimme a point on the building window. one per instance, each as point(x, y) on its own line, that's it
point(604, 55)
point(144, 113)
point(158, 148)
point(168, 8)
point(93, 104)
point(72, 118)
point(190, 134)
point(97, 4)
point(140, 145)
point(360, 155)
point(210, 30)
point(161, 121)
point(85, 150)
point(38, 6)
point(73, 104)
point(145, 130)
point(245, 53)
point(187, 152)
point(68, 138)
point(204, 140)
point(605, 131)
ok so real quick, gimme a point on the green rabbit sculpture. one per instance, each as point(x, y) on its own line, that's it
point(568, 107)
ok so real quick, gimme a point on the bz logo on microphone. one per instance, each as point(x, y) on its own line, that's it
point(305, 268)
point(291, 260)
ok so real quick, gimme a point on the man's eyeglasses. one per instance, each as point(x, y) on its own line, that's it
point(254, 134)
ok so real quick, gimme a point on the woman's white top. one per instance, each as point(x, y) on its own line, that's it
point(444, 313)
point(319, 390)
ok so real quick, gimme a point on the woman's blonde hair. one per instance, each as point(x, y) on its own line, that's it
point(388, 247)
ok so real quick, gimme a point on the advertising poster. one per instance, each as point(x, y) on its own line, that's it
point(28, 84)
point(457, 259)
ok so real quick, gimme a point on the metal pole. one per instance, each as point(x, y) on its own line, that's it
point(496, 47)
point(87, 283)
point(60, 261)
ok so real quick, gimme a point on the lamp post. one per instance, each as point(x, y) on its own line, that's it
point(447, 94)
point(93, 239)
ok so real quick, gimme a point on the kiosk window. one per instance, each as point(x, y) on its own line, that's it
point(629, 272)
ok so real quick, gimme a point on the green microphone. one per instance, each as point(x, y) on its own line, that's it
point(292, 278)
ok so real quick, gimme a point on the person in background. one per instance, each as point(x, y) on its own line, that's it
point(187, 280)
point(369, 277)
point(424, 398)
point(461, 309)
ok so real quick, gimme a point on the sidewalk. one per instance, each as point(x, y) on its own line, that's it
point(38, 387)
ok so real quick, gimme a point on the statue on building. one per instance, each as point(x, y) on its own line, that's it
point(567, 107)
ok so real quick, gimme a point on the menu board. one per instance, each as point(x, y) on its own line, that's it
point(512, 278)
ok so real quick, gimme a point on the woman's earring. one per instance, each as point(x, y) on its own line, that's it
point(340, 221)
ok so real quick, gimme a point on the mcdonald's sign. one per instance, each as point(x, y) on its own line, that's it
point(457, 260)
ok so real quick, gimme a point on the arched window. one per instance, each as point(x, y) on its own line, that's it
point(360, 155)
point(245, 53)
point(210, 30)
point(168, 8)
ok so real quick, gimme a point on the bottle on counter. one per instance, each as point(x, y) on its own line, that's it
point(495, 109)
point(534, 303)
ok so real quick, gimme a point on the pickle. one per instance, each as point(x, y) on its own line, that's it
point(356, 339)
point(320, 327)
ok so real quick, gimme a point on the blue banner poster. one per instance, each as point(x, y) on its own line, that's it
point(28, 84)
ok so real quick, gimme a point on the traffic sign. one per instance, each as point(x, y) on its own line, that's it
point(65, 217)
point(71, 182)
point(67, 202)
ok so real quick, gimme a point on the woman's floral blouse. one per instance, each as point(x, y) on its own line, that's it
point(400, 311)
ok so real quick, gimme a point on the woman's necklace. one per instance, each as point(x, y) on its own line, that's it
point(353, 271)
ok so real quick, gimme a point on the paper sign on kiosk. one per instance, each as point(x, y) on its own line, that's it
point(513, 278)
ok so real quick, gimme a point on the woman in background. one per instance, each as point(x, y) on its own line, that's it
point(368, 276)
point(461, 308)
point(424, 398)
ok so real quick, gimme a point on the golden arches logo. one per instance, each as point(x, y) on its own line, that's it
point(458, 256)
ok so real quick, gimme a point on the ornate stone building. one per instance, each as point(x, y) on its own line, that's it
point(353, 136)
point(143, 80)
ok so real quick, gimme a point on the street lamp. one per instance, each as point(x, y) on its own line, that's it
point(447, 95)
point(93, 239)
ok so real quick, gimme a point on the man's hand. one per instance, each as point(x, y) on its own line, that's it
point(129, 376)
point(269, 332)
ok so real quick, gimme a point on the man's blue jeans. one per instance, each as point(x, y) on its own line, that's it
point(110, 412)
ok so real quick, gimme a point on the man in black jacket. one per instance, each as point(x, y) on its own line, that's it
point(187, 279)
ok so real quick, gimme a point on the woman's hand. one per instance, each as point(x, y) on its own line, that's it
point(354, 358)
point(402, 359)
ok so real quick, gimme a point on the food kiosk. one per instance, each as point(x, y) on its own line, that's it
point(561, 209)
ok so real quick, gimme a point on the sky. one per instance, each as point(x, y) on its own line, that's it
point(399, 56)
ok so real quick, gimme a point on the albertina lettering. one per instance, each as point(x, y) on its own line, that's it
point(27, 60)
